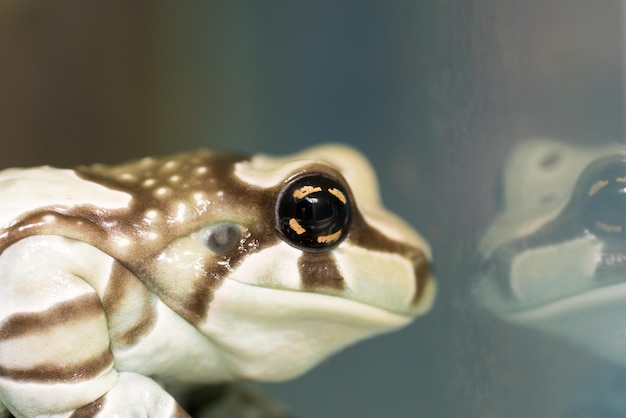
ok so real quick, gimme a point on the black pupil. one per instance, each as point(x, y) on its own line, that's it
point(313, 212)
point(604, 188)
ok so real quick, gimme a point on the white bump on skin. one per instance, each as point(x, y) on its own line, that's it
point(199, 196)
point(175, 178)
point(122, 242)
point(127, 176)
point(148, 183)
point(201, 170)
point(162, 191)
point(149, 217)
point(170, 164)
point(181, 212)
point(152, 235)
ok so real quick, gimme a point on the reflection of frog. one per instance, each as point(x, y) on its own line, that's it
point(555, 258)
point(198, 268)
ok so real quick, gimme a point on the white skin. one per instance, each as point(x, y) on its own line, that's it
point(174, 268)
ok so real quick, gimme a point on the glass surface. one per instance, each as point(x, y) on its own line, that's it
point(436, 93)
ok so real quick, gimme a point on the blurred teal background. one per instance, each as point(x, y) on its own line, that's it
point(434, 92)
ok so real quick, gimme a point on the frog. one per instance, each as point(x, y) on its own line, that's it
point(197, 267)
point(554, 257)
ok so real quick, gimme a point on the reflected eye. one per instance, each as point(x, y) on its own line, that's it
point(223, 237)
point(313, 213)
point(603, 190)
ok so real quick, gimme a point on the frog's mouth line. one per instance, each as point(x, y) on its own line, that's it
point(306, 305)
point(593, 299)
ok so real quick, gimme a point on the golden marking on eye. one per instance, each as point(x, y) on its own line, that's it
point(338, 194)
point(323, 239)
point(621, 179)
point(302, 192)
point(597, 186)
point(297, 228)
point(148, 183)
point(608, 228)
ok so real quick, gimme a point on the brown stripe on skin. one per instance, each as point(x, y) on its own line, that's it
point(209, 191)
point(22, 324)
point(366, 236)
point(207, 186)
point(82, 225)
point(212, 175)
point(319, 271)
point(91, 410)
point(129, 306)
point(423, 275)
point(195, 307)
point(48, 373)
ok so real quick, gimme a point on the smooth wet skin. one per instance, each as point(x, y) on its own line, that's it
point(197, 267)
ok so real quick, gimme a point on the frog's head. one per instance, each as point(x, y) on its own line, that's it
point(278, 261)
point(555, 258)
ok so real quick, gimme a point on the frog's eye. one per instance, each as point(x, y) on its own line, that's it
point(222, 237)
point(602, 188)
point(313, 212)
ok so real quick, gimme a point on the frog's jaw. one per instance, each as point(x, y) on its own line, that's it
point(274, 317)
point(560, 295)
point(594, 319)
point(276, 334)
point(538, 276)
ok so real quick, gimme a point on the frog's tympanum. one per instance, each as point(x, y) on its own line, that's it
point(555, 258)
point(198, 267)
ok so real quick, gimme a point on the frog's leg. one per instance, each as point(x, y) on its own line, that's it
point(55, 354)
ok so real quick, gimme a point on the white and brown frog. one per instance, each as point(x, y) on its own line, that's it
point(555, 256)
point(198, 267)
